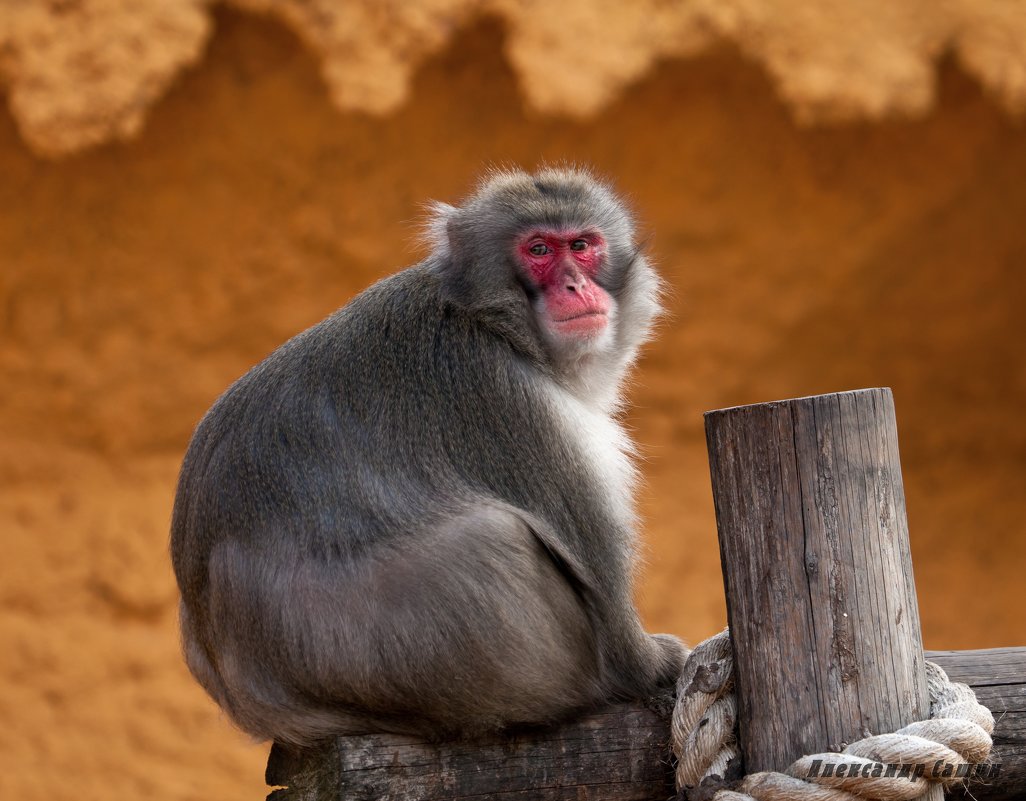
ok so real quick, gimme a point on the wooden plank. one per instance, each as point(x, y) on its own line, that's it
point(998, 677)
point(619, 754)
point(814, 545)
point(982, 667)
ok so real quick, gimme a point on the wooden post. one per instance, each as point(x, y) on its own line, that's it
point(820, 597)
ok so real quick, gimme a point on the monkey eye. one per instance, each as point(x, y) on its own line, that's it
point(579, 244)
point(539, 249)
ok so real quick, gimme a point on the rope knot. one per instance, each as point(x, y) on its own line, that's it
point(703, 734)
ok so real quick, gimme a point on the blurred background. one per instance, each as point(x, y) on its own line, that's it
point(835, 195)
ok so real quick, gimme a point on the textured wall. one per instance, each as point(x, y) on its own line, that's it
point(86, 71)
point(138, 279)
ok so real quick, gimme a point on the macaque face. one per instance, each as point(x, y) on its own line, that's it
point(575, 313)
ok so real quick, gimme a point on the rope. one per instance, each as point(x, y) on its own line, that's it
point(703, 733)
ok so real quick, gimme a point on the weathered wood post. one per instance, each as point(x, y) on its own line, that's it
point(821, 601)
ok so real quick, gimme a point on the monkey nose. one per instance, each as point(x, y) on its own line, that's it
point(573, 282)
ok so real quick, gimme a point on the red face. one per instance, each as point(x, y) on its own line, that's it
point(562, 265)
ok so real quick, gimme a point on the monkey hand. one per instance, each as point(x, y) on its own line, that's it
point(669, 654)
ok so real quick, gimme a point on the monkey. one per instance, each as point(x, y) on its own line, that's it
point(417, 516)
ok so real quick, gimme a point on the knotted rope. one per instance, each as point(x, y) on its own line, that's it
point(703, 733)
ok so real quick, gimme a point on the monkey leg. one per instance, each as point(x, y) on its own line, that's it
point(466, 625)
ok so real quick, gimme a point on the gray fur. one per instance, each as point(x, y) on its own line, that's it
point(395, 521)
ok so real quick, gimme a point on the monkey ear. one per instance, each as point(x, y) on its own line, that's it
point(442, 232)
point(437, 227)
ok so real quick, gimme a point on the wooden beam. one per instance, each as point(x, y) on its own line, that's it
point(998, 677)
point(617, 755)
point(621, 754)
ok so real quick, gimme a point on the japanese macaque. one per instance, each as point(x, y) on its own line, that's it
point(417, 515)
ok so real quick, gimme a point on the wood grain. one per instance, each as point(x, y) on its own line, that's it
point(621, 754)
point(818, 574)
point(998, 677)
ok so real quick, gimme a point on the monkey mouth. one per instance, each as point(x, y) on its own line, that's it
point(588, 322)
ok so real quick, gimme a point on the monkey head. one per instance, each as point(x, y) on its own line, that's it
point(549, 261)
point(559, 267)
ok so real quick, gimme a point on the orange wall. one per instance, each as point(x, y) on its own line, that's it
point(137, 281)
